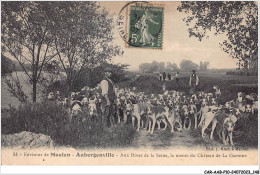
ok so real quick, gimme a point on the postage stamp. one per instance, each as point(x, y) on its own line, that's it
point(145, 26)
point(141, 25)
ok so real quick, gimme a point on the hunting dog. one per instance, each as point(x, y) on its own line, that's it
point(174, 117)
point(75, 108)
point(156, 114)
point(226, 124)
point(217, 91)
point(186, 117)
point(203, 111)
point(193, 114)
point(136, 111)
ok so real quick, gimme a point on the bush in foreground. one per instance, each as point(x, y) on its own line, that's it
point(52, 119)
point(247, 131)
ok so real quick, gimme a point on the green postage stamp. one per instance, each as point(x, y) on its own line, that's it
point(145, 27)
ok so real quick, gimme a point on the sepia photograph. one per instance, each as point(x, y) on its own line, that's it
point(129, 83)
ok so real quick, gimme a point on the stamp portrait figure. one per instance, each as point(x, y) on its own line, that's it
point(145, 28)
point(143, 24)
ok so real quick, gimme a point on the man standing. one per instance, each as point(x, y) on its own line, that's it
point(169, 76)
point(194, 81)
point(177, 77)
point(108, 92)
point(164, 76)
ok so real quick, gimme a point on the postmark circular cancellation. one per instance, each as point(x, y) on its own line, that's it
point(140, 24)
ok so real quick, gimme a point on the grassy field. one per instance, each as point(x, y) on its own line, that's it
point(52, 119)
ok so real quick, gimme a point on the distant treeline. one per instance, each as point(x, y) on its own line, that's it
point(185, 65)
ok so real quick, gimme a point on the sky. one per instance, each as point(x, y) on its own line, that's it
point(177, 45)
point(176, 42)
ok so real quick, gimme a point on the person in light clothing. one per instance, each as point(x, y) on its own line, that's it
point(108, 93)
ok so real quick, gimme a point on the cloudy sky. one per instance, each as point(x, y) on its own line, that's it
point(176, 42)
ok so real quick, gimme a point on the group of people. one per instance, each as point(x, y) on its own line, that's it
point(108, 88)
point(193, 83)
point(162, 76)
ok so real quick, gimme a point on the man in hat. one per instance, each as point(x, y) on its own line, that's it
point(108, 92)
point(194, 81)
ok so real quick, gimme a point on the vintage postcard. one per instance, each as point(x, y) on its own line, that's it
point(129, 83)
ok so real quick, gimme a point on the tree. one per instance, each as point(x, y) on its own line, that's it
point(144, 67)
point(26, 36)
point(171, 67)
point(204, 65)
point(158, 67)
point(154, 66)
point(238, 20)
point(85, 40)
point(91, 77)
point(188, 65)
point(161, 67)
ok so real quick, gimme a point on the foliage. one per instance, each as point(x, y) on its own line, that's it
point(86, 38)
point(26, 36)
point(188, 65)
point(204, 65)
point(52, 119)
point(246, 130)
point(238, 20)
point(7, 65)
point(57, 36)
point(158, 67)
point(171, 67)
point(15, 87)
point(52, 79)
point(91, 77)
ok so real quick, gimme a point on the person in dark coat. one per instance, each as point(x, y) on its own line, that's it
point(194, 81)
point(164, 76)
point(169, 76)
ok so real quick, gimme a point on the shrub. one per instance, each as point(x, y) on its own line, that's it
point(50, 118)
point(246, 130)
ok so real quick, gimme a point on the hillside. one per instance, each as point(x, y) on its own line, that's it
point(9, 65)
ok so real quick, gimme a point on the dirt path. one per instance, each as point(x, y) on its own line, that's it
point(165, 139)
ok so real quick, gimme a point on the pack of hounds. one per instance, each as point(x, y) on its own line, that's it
point(170, 108)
